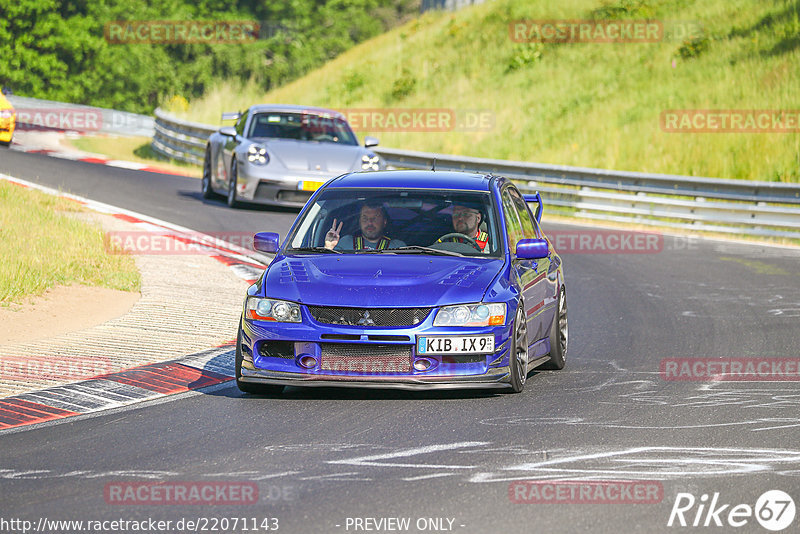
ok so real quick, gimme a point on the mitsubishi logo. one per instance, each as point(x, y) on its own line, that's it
point(366, 320)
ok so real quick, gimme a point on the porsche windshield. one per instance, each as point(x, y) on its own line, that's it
point(408, 221)
point(302, 127)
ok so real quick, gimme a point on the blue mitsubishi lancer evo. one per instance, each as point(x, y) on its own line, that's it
point(406, 279)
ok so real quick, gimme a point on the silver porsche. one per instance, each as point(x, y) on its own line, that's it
point(280, 155)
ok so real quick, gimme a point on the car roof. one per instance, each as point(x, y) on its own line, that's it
point(463, 181)
point(287, 108)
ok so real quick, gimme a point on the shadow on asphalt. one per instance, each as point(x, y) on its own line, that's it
point(294, 393)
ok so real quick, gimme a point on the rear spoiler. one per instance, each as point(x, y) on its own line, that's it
point(536, 197)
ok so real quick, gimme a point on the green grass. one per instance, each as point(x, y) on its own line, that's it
point(136, 149)
point(585, 104)
point(43, 244)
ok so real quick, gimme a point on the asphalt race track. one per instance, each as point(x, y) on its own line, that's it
point(324, 457)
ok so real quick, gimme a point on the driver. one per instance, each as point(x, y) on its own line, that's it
point(373, 220)
point(466, 220)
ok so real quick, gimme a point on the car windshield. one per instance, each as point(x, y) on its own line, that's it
point(303, 126)
point(417, 221)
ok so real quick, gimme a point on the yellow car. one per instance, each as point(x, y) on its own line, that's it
point(7, 121)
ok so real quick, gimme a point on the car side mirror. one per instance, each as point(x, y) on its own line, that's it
point(229, 131)
point(266, 242)
point(370, 141)
point(532, 249)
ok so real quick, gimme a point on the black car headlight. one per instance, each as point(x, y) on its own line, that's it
point(257, 155)
point(479, 314)
point(280, 311)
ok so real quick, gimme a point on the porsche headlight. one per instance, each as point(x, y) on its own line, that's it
point(369, 162)
point(480, 314)
point(257, 155)
point(280, 311)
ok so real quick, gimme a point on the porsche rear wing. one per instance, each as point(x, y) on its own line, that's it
point(536, 197)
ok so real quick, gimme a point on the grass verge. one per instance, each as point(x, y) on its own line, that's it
point(43, 244)
point(136, 149)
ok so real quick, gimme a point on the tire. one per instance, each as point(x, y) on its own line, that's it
point(559, 335)
point(248, 387)
point(518, 352)
point(232, 202)
point(206, 188)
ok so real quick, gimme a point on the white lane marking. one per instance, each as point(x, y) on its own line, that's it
point(252, 475)
point(337, 476)
point(47, 473)
point(423, 477)
point(777, 422)
point(373, 460)
point(275, 475)
point(651, 462)
point(126, 164)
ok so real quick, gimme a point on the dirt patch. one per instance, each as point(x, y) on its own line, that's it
point(63, 309)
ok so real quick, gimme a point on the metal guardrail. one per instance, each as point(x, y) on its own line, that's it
point(710, 204)
point(179, 139)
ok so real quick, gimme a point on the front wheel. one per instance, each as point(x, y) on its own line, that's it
point(206, 188)
point(559, 335)
point(248, 387)
point(518, 352)
point(232, 201)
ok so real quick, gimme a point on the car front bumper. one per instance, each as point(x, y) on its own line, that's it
point(259, 187)
point(271, 354)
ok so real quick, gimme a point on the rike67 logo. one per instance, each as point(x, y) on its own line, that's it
point(774, 510)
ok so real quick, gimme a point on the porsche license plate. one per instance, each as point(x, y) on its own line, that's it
point(309, 185)
point(455, 344)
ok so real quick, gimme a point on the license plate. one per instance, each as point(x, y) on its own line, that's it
point(309, 185)
point(455, 344)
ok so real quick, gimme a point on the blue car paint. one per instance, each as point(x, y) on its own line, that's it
point(398, 281)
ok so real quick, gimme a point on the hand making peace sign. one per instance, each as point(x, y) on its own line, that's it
point(332, 237)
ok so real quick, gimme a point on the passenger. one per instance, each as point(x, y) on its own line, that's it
point(373, 221)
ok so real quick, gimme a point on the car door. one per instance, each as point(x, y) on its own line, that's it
point(532, 273)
